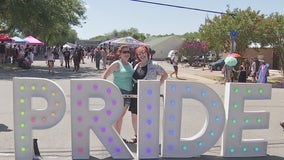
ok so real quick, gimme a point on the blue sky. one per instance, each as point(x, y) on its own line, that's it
point(105, 16)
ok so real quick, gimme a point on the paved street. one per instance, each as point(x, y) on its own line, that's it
point(55, 143)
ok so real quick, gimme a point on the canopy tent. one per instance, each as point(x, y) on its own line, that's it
point(5, 38)
point(19, 40)
point(33, 41)
point(107, 42)
point(69, 45)
point(130, 41)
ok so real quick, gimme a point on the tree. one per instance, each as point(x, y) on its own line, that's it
point(191, 36)
point(271, 33)
point(133, 32)
point(193, 48)
point(44, 18)
point(216, 31)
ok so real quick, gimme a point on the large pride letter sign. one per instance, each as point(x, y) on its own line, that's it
point(228, 118)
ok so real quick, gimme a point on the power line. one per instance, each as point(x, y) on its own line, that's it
point(182, 7)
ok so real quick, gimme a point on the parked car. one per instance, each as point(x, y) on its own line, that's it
point(183, 59)
point(198, 61)
point(217, 65)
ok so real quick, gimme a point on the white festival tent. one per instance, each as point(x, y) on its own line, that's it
point(69, 45)
point(19, 40)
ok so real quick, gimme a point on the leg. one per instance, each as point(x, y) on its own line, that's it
point(78, 67)
point(134, 125)
point(118, 123)
point(176, 71)
point(52, 67)
point(68, 65)
point(48, 64)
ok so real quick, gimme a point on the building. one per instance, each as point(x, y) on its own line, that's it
point(88, 43)
point(163, 45)
point(265, 54)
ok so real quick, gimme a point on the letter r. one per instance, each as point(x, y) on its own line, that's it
point(99, 121)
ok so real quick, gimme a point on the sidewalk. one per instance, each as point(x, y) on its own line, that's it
point(189, 73)
point(212, 77)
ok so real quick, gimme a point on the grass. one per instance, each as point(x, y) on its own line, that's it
point(276, 82)
point(215, 78)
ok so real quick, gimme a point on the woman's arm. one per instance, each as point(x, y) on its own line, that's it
point(113, 67)
point(164, 76)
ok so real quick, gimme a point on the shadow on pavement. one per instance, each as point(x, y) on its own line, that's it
point(42, 72)
point(4, 128)
point(133, 148)
point(210, 158)
point(205, 157)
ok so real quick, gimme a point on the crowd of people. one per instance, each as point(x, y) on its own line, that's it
point(21, 54)
point(257, 70)
point(76, 56)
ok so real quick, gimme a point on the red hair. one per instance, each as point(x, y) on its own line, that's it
point(142, 48)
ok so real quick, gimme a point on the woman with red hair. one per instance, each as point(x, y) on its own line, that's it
point(147, 70)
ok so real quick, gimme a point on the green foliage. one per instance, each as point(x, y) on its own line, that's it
point(193, 48)
point(272, 30)
point(48, 20)
point(216, 31)
point(133, 32)
point(191, 36)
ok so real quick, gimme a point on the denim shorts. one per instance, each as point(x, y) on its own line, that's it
point(126, 100)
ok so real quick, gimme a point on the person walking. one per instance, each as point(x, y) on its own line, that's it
point(67, 54)
point(61, 56)
point(50, 60)
point(104, 57)
point(92, 54)
point(254, 68)
point(77, 57)
point(145, 69)
point(98, 57)
point(122, 77)
point(174, 61)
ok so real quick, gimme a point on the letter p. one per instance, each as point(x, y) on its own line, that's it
point(26, 119)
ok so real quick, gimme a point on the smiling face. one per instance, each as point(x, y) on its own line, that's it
point(124, 52)
point(142, 53)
